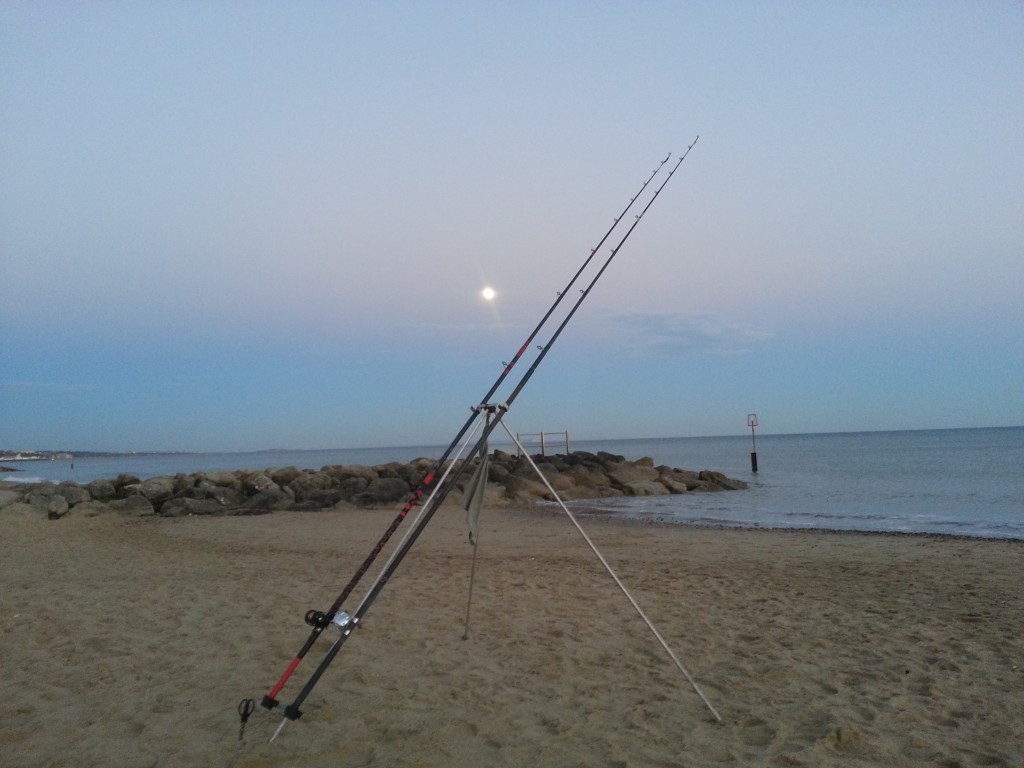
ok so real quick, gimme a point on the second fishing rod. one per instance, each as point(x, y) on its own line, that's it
point(350, 622)
point(320, 620)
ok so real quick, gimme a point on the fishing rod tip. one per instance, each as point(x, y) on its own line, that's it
point(278, 731)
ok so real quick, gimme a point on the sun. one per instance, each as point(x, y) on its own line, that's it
point(488, 293)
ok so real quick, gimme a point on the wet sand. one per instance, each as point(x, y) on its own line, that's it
point(129, 642)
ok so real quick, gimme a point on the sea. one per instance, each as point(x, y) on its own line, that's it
point(963, 482)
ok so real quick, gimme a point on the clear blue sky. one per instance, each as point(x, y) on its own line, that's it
point(235, 226)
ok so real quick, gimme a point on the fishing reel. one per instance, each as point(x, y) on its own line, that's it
point(317, 619)
point(321, 620)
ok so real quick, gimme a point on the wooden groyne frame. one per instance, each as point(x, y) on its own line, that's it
point(562, 441)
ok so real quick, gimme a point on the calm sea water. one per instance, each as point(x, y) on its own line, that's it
point(960, 481)
point(967, 482)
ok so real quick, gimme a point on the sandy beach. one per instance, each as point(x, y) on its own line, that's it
point(130, 641)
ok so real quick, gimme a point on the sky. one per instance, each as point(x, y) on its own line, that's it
point(232, 226)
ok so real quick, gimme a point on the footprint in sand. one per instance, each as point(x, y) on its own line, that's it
point(827, 688)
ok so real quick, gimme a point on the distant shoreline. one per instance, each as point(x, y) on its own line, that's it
point(56, 455)
point(8, 456)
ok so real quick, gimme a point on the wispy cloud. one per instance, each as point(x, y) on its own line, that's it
point(709, 334)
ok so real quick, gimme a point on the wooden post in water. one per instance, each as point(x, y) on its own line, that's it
point(752, 422)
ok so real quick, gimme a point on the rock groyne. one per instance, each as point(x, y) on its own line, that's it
point(511, 481)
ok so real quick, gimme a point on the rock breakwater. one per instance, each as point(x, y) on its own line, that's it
point(511, 481)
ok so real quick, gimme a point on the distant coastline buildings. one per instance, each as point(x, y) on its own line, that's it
point(36, 456)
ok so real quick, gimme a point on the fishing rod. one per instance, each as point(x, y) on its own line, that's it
point(586, 292)
point(320, 620)
point(348, 623)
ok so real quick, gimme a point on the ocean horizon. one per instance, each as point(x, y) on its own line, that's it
point(965, 481)
point(554, 438)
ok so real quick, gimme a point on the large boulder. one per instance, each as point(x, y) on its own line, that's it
point(626, 473)
point(158, 489)
point(126, 485)
point(268, 501)
point(589, 477)
point(681, 480)
point(55, 506)
point(257, 482)
point(46, 501)
point(412, 474)
point(73, 493)
point(102, 490)
point(382, 490)
point(306, 483)
point(284, 475)
point(717, 478)
point(522, 490)
point(224, 495)
point(560, 482)
point(351, 487)
point(645, 488)
point(137, 506)
point(350, 480)
point(45, 488)
point(182, 507)
point(221, 478)
point(195, 492)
